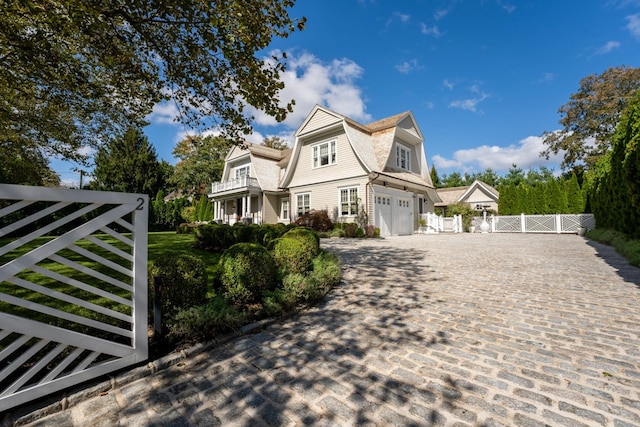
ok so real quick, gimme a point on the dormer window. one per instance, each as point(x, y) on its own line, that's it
point(243, 171)
point(403, 157)
point(324, 154)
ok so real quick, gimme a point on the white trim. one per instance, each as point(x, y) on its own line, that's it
point(308, 194)
point(331, 155)
point(282, 215)
point(349, 201)
point(400, 148)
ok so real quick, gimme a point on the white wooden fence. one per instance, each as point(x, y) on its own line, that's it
point(437, 223)
point(559, 223)
point(68, 313)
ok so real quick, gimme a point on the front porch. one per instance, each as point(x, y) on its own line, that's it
point(237, 200)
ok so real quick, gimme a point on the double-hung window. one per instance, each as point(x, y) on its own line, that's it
point(284, 211)
point(403, 157)
point(243, 171)
point(324, 154)
point(302, 204)
point(349, 201)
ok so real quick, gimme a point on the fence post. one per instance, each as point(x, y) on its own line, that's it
point(157, 310)
point(523, 224)
point(558, 224)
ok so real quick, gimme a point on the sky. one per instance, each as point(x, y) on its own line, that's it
point(483, 78)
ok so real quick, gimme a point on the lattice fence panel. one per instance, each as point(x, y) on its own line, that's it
point(73, 288)
point(507, 224)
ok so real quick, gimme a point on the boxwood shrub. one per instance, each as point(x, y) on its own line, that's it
point(184, 282)
point(247, 270)
point(292, 255)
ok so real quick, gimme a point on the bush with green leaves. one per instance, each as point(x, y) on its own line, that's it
point(464, 209)
point(183, 279)
point(292, 255)
point(214, 237)
point(310, 237)
point(205, 321)
point(247, 270)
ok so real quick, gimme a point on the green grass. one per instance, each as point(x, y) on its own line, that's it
point(158, 243)
point(626, 246)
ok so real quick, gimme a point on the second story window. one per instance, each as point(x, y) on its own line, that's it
point(243, 171)
point(324, 154)
point(403, 157)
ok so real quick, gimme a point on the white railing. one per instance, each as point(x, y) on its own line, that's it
point(253, 218)
point(73, 288)
point(559, 223)
point(234, 184)
point(437, 223)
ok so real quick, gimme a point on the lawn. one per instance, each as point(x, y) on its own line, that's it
point(158, 243)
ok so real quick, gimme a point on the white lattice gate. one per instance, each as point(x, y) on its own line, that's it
point(73, 288)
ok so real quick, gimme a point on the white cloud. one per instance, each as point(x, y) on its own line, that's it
point(525, 154)
point(441, 13)
point(430, 31)
point(163, 112)
point(547, 77)
point(508, 7)
point(608, 47)
point(407, 66)
point(633, 25)
point(471, 104)
point(311, 81)
point(448, 84)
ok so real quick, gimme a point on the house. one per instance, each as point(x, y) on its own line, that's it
point(479, 195)
point(378, 170)
point(249, 190)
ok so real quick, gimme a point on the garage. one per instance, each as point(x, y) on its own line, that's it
point(393, 212)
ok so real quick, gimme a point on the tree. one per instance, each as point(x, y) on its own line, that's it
point(75, 73)
point(275, 142)
point(514, 176)
point(25, 165)
point(488, 176)
point(129, 164)
point(201, 162)
point(454, 179)
point(575, 196)
point(435, 179)
point(590, 117)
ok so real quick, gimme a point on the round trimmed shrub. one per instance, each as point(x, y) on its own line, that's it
point(306, 235)
point(183, 278)
point(292, 255)
point(246, 271)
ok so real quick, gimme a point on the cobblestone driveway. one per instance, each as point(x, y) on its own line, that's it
point(481, 330)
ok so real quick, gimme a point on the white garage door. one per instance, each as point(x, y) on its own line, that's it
point(394, 214)
point(383, 215)
point(402, 216)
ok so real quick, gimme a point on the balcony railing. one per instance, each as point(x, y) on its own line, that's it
point(234, 184)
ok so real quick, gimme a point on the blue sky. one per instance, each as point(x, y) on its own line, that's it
point(484, 78)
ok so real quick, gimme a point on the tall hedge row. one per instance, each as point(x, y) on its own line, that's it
point(556, 196)
point(614, 185)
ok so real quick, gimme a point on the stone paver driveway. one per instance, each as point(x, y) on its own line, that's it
point(455, 330)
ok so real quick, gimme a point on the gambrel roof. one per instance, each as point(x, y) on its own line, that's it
point(265, 163)
point(372, 143)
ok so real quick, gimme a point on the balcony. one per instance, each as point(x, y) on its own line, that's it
point(244, 183)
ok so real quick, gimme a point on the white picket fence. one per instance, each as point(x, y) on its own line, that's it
point(438, 223)
point(558, 223)
point(86, 316)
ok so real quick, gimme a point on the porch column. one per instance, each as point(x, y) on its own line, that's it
point(248, 205)
point(216, 210)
